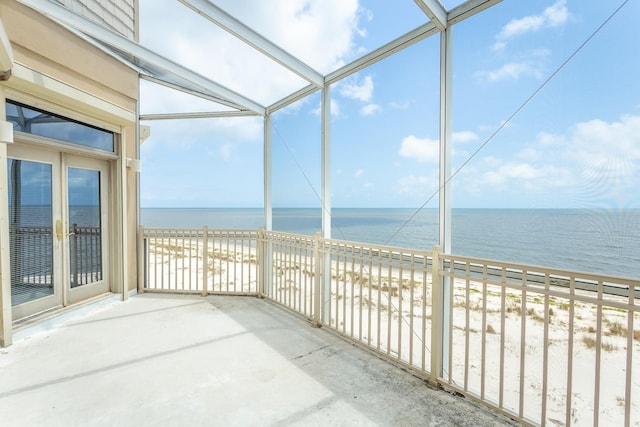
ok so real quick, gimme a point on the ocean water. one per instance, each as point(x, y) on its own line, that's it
point(597, 241)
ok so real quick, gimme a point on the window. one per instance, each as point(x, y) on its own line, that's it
point(37, 122)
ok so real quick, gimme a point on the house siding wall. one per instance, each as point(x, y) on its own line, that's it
point(61, 73)
point(118, 15)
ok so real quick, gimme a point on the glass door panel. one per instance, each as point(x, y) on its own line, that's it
point(30, 230)
point(85, 227)
point(86, 242)
point(35, 248)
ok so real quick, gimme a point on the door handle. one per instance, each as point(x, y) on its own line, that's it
point(59, 233)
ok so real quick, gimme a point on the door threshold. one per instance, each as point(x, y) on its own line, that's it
point(57, 316)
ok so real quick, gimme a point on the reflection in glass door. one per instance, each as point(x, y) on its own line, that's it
point(85, 228)
point(30, 230)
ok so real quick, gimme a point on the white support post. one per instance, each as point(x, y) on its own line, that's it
point(267, 258)
point(326, 195)
point(123, 241)
point(445, 140)
point(445, 184)
point(5, 261)
point(267, 170)
point(326, 162)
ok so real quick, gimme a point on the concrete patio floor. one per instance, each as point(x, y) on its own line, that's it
point(185, 361)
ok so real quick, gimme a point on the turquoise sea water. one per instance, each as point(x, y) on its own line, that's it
point(598, 241)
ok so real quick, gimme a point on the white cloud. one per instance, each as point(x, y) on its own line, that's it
point(547, 139)
point(412, 184)
point(370, 109)
point(358, 173)
point(553, 16)
point(519, 26)
point(595, 158)
point(226, 151)
point(529, 154)
point(464, 136)
point(335, 108)
point(557, 14)
point(607, 150)
point(422, 150)
point(511, 70)
point(401, 105)
point(181, 134)
point(362, 91)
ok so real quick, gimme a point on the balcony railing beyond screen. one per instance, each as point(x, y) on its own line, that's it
point(32, 274)
point(543, 346)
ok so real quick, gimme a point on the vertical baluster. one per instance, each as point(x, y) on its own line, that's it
point(467, 325)
point(503, 316)
point(411, 305)
point(572, 290)
point(483, 354)
point(629, 366)
point(545, 352)
point(596, 394)
point(523, 334)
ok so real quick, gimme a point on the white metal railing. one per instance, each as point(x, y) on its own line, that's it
point(544, 346)
point(198, 261)
point(552, 347)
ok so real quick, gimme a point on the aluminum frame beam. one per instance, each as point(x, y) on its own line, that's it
point(61, 14)
point(468, 9)
point(435, 11)
point(183, 89)
point(295, 96)
point(201, 115)
point(402, 42)
point(233, 26)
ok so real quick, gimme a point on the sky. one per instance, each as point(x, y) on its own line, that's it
point(546, 114)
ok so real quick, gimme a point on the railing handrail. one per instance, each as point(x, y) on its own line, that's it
point(586, 280)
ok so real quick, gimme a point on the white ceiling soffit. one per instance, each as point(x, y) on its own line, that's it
point(142, 55)
point(230, 24)
point(435, 11)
